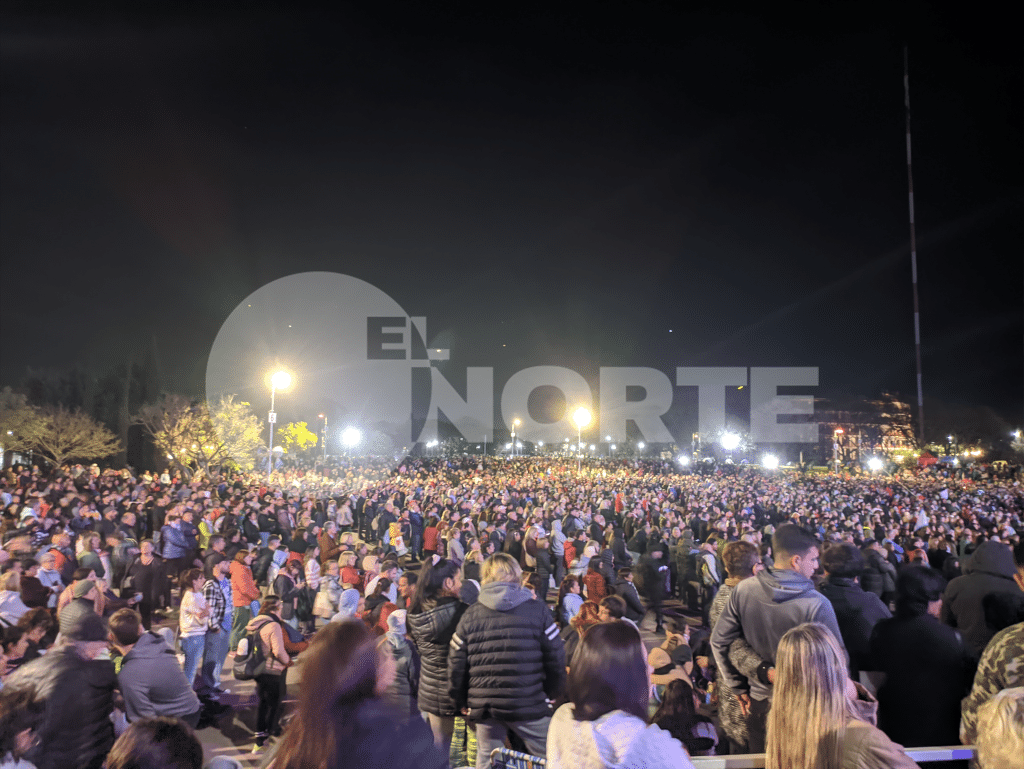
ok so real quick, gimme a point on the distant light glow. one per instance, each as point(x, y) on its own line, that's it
point(874, 464)
point(351, 436)
point(684, 461)
point(730, 441)
point(641, 445)
point(769, 462)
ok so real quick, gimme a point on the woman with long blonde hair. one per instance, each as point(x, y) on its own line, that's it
point(819, 719)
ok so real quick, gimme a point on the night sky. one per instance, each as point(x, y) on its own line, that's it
point(602, 184)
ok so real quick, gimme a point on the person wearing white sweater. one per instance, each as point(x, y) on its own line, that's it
point(604, 726)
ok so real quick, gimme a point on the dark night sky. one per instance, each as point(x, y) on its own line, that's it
point(569, 183)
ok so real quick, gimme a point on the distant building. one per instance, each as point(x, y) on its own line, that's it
point(879, 427)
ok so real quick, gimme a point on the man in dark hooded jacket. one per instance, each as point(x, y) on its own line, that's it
point(988, 571)
point(506, 661)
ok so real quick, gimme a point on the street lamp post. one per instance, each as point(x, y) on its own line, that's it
point(835, 447)
point(515, 424)
point(582, 418)
point(324, 429)
point(279, 380)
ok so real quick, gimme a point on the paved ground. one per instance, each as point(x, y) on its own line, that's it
point(232, 735)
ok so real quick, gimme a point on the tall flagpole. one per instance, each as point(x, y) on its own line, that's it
point(913, 254)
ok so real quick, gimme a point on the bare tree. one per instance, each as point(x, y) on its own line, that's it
point(60, 434)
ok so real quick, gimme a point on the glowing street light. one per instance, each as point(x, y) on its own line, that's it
point(874, 464)
point(581, 417)
point(769, 462)
point(684, 461)
point(730, 441)
point(279, 380)
point(351, 437)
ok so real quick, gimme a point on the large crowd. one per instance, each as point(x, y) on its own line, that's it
point(444, 608)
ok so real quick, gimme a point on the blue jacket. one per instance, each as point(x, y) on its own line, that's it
point(175, 543)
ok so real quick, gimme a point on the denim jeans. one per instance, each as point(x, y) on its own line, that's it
point(490, 734)
point(193, 647)
point(214, 654)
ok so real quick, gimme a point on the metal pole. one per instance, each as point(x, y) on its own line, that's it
point(270, 419)
point(579, 440)
point(325, 440)
point(913, 254)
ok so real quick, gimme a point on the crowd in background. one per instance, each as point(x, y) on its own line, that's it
point(466, 607)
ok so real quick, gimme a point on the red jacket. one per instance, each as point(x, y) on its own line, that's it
point(430, 538)
point(243, 588)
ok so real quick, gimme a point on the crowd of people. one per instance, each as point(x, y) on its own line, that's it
point(445, 608)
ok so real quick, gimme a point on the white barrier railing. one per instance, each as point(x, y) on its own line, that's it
point(756, 760)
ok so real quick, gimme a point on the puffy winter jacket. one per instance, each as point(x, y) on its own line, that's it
point(401, 694)
point(507, 658)
point(432, 631)
point(79, 693)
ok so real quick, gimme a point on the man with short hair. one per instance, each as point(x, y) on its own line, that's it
point(217, 593)
point(857, 611)
point(761, 610)
point(506, 661)
point(389, 569)
point(406, 588)
point(150, 679)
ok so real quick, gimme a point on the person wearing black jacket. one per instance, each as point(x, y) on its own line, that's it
point(434, 613)
point(857, 611)
point(506, 662)
point(928, 667)
point(626, 590)
point(623, 560)
point(654, 573)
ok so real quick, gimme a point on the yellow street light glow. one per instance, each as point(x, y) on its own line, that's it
point(581, 417)
point(281, 380)
point(516, 422)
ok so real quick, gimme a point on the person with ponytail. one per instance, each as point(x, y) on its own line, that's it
point(433, 615)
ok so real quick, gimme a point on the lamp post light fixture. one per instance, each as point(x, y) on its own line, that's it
point(324, 433)
point(874, 464)
point(835, 447)
point(770, 462)
point(279, 380)
point(582, 418)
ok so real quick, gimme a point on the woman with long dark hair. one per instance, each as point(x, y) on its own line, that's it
point(604, 723)
point(678, 716)
point(341, 719)
point(433, 615)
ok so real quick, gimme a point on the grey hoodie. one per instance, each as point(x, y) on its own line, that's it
point(762, 610)
point(153, 683)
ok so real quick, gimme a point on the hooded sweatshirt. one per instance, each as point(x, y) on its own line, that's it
point(616, 740)
point(153, 683)
point(761, 610)
point(988, 571)
point(506, 658)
